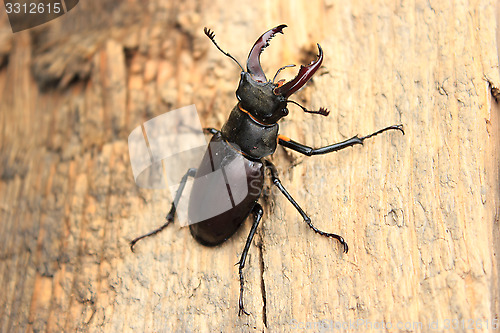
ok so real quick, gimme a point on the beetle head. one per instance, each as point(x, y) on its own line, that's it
point(265, 100)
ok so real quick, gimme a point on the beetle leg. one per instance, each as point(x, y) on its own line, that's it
point(307, 219)
point(258, 212)
point(306, 150)
point(210, 130)
point(171, 214)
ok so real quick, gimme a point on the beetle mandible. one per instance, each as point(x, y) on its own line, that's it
point(251, 134)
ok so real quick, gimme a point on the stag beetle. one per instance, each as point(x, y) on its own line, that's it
point(251, 133)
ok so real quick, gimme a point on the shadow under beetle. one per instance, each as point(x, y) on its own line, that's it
point(252, 132)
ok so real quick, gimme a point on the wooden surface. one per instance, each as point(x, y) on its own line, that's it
point(420, 212)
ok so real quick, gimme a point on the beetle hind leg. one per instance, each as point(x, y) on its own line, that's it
point(307, 219)
point(171, 214)
point(258, 212)
point(326, 234)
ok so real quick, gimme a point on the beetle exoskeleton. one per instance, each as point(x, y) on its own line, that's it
point(250, 134)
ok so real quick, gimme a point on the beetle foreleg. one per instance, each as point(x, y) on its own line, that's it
point(306, 150)
point(210, 130)
point(258, 212)
point(307, 219)
point(171, 214)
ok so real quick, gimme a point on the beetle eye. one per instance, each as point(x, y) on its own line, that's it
point(284, 111)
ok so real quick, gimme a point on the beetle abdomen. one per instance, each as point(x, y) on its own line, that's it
point(226, 187)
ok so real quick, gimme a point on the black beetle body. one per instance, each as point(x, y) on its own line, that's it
point(250, 134)
point(217, 229)
point(241, 128)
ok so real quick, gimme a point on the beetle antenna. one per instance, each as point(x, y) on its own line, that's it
point(279, 70)
point(322, 111)
point(210, 34)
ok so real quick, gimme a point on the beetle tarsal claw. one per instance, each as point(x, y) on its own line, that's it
point(344, 244)
point(242, 309)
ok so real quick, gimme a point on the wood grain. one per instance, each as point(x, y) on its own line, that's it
point(420, 212)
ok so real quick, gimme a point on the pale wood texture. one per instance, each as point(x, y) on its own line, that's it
point(420, 212)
